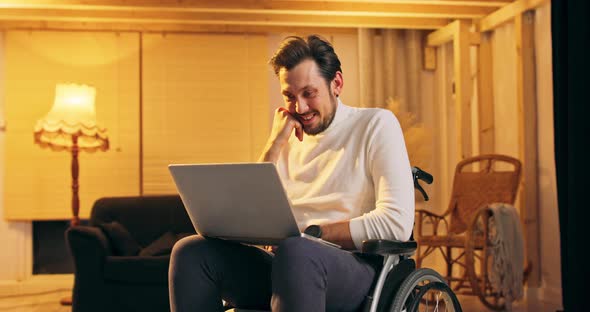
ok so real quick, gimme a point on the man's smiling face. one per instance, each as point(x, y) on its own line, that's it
point(308, 97)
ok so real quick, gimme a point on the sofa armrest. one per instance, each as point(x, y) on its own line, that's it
point(88, 246)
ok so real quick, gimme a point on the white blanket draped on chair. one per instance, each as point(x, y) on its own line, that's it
point(508, 252)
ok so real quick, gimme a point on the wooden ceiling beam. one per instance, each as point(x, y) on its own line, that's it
point(165, 28)
point(508, 13)
point(449, 33)
point(150, 19)
point(338, 5)
point(273, 6)
point(442, 35)
point(154, 14)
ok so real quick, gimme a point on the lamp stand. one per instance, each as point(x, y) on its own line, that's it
point(75, 198)
point(75, 186)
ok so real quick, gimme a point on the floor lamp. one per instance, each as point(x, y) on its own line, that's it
point(71, 125)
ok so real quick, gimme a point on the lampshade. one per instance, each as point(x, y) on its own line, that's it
point(72, 114)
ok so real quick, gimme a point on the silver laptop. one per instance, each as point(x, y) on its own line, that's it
point(243, 202)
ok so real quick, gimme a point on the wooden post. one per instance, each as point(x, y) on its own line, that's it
point(527, 138)
point(414, 66)
point(389, 65)
point(462, 38)
point(463, 88)
point(486, 95)
point(378, 75)
point(365, 38)
point(445, 163)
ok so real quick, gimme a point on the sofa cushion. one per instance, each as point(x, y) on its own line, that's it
point(145, 217)
point(137, 270)
point(161, 246)
point(123, 243)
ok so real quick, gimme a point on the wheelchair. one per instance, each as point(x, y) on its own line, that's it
point(400, 287)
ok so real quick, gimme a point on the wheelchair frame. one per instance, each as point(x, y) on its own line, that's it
point(394, 254)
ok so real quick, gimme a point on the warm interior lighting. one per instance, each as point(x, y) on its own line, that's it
point(72, 117)
point(71, 125)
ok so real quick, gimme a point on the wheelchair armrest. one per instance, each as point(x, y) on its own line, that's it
point(388, 247)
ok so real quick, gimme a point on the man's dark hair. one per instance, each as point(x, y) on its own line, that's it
point(294, 50)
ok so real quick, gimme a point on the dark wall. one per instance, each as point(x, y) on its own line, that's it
point(50, 253)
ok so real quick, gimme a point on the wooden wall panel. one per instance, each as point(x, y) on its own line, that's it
point(38, 181)
point(485, 93)
point(366, 61)
point(504, 91)
point(528, 146)
point(413, 62)
point(389, 62)
point(463, 84)
point(378, 58)
point(346, 47)
point(205, 100)
point(548, 209)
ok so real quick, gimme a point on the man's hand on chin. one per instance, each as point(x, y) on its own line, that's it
point(282, 127)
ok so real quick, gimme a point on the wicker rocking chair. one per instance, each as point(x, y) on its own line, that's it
point(463, 227)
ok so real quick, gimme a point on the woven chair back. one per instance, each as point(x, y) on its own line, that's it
point(479, 181)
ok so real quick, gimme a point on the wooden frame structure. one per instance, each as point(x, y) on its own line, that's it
point(463, 22)
point(478, 33)
point(238, 15)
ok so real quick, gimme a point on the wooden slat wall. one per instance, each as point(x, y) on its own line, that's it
point(205, 100)
point(346, 46)
point(366, 72)
point(38, 181)
point(413, 70)
point(463, 86)
point(504, 87)
point(448, 122)
point(548, 224)
point(528, 146)
point(485, 98)
point(389, 62)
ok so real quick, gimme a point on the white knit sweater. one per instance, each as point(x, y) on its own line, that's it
point(357, 169)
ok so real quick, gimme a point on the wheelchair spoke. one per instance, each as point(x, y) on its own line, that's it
point(425, 290)
point(434, 300)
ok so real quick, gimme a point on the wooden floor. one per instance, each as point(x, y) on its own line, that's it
point(41, 302)
point(49, 302)
point(43, 294)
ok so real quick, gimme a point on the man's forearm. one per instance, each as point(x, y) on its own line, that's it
point(338, 233)
point(270, 153)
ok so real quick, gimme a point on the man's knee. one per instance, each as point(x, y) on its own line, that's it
point(188, 247)
point(293, 247)
point(296, 255)
point(192, 251)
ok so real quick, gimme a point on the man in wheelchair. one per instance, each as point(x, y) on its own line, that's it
point(347, 173)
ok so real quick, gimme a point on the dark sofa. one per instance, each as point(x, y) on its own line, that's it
point(121, 258)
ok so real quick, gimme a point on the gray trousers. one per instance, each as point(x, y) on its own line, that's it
point(303, 276)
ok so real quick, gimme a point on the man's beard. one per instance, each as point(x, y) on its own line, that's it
point(324, 123)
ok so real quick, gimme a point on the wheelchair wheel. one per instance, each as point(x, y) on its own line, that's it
point(425, 290)
point(435, 296)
